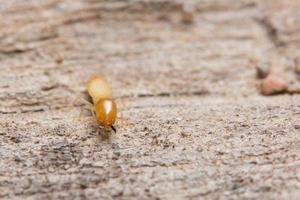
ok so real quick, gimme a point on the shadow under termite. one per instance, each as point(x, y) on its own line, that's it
point(105, 133)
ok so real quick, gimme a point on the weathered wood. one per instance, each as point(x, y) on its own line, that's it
point(195, 124)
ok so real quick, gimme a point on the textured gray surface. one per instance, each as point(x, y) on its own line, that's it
point(195, 124)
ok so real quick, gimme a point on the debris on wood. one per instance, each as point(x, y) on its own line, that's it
point(187, 13)
point(273, 84)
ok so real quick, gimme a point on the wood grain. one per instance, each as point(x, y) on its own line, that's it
point(194, 125)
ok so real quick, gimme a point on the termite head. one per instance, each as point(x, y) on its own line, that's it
point(106, 112)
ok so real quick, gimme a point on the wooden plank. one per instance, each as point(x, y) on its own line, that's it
point(195, 123)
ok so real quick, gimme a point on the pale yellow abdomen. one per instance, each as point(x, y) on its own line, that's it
point(98, 88)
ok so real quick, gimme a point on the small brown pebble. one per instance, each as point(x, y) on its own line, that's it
point(187, 13)
point(297, 126)
point(273, 84)
point(163, 17)
point(59, 59)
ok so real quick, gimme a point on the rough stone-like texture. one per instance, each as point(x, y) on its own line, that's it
point(194, 123)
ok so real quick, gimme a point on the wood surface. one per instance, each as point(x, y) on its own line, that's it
point(194, 124)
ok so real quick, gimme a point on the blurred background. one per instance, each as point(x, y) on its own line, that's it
point(191, 78)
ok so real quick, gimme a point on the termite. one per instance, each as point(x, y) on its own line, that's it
point(104, 105)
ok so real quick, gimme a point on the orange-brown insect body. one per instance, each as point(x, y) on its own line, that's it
point(105, 106)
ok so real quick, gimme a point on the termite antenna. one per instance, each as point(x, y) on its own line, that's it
point(113, 128)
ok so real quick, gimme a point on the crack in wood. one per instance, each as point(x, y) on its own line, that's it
point(14, 51)
point(165, 94)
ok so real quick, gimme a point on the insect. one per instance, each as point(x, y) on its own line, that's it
point(104, 106)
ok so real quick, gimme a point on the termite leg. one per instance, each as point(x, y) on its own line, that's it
point(100, 130)
point(103, 133)
point(81, 114)
point(86, 102)
point(93, 112)
point(80, 98)
point(122, 121)
point(90, 108)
